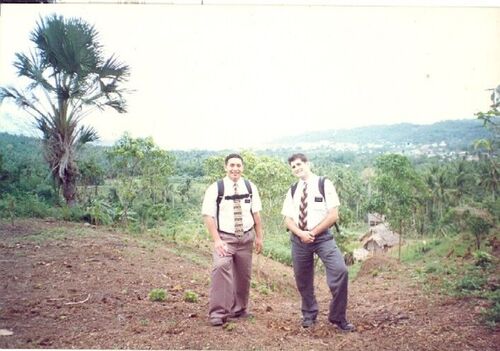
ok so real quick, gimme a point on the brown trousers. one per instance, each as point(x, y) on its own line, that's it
point(230, 286)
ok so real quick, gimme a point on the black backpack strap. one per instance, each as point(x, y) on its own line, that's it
point(249, 187)
point(293, 188)
point(250, 193)
point(220, 195)
point(321, 185)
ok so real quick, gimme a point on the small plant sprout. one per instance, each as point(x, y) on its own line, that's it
point(157, 295)
point(190, 296)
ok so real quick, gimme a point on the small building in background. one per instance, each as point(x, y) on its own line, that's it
point(379, 239)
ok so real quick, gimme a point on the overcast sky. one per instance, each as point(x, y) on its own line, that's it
point(223, 76)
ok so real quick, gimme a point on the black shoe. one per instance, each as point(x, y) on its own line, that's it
point(344, 326)
point(308, 322)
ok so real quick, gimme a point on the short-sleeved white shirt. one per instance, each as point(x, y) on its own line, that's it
point(226, 209)
point(317, 206)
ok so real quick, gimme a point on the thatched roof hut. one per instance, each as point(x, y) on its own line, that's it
point(379, 238)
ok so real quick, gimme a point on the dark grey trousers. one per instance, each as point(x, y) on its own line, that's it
point(336, 275)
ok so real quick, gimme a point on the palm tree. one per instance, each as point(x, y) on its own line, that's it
point(488, 176)
point(70, 78)
point(460, 179)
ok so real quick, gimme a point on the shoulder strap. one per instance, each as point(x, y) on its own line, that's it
point(220, 195)
point(249, 187)
point(220, 191)
point(321, 185)
point(293, 188)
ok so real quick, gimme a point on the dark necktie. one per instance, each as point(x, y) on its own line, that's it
point(238, 215)
point(303, 209)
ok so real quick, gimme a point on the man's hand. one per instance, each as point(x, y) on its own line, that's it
point(221, 248)
point(306, 236)
point(259, 245)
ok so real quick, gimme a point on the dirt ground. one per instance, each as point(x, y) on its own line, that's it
point(86, 287)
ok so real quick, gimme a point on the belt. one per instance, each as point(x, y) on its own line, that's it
point(245, 232)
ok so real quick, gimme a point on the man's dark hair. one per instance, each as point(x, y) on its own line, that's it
point(232, 156)
point(300, 156)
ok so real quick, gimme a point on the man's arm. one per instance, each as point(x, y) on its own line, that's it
point(219, 245)
point(331, 217)
point(259, 235)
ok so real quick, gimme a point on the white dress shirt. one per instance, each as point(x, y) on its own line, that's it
point(317, 206)
point(226, 209)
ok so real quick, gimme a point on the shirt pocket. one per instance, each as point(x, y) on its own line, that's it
point(246, 205)
point(318, 204)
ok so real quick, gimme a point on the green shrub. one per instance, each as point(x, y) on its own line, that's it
point(492, 314)
point(70, 213)
point(470, 283)
point(100, 212)
point(432, 267)
point(29, 205)
point(278, 252)
point(482, 259)
point(191, 296)
point(157, 295)
point(46, 193)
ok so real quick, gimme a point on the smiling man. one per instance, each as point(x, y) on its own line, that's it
point(231, 212)
point(310, 209)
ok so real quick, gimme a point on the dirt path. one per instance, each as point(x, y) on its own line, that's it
point(88, 288)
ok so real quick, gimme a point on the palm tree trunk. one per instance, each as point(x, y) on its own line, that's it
point(69, 191)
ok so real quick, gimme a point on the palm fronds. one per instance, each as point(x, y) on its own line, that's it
point(69, 78)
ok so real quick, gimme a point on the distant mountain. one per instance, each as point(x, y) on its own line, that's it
point(454, 133)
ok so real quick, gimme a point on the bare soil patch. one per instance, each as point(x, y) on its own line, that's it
point(66, 285)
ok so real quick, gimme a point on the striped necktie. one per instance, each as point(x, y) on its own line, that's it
point(238, 215)
point(303, 209)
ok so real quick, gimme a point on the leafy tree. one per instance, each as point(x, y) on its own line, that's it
point(477, 220)
point(91, 174)
point(70, 78)
point(143, 176)
point(489, 177)
point(397, 189)
point(491, 121)
point(351, 190)
point(460, 178)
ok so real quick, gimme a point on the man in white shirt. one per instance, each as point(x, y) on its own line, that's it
point(309, 214)
point(232, 217)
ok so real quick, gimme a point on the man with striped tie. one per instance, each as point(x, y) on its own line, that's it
point(309, 213)
point(231, 212)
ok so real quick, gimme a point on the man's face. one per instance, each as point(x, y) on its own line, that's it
point(300, 168)
point(234, 168)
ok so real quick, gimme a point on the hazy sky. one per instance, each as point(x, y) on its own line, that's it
point(216, 76)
